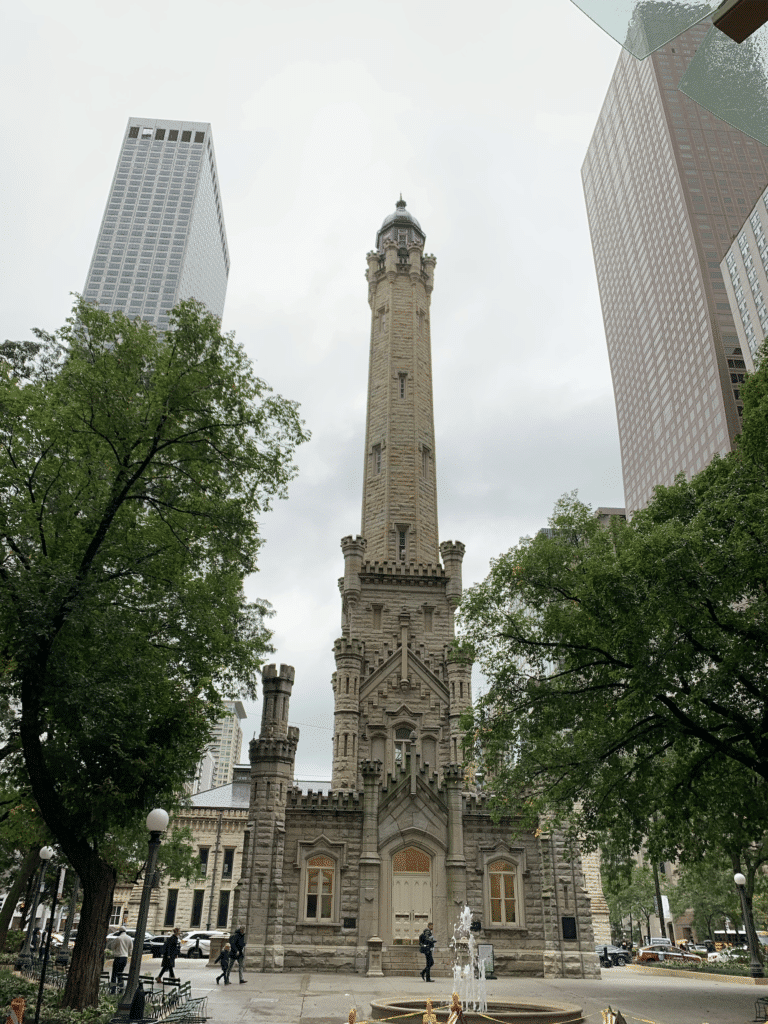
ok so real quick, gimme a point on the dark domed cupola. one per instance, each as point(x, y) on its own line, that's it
point(401, 227)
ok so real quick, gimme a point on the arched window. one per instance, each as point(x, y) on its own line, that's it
point(501, 876)
point(320, 872)
point(402, 744)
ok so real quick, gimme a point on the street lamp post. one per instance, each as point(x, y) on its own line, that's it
point(157, 822)
point(755, 965)
point(24, 958)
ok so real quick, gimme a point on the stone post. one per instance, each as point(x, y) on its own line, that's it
point(370, 862)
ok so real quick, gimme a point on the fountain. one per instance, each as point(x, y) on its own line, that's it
point(468, 978)
point(470, 1002)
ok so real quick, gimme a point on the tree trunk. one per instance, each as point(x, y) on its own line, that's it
point(659, 904)
point(26, 871)
point(98, 881)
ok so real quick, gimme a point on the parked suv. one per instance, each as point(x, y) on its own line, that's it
point(198, 944)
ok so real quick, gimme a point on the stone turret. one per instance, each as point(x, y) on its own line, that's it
point(272, 756)
point(346, 719)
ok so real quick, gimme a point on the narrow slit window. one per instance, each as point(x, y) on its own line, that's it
point(401, 383)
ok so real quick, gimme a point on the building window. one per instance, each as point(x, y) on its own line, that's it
point(377, 616)
point(320, 877)
point(428, 620)
point(425, 453)
point(401, 384)
point(116, 917)
point(229, 862)
point(160, 134)
point(377, 459)
point(223, 914)
point(401, 544)
point(501, 877)
point(402, 744)
point(197, 908)
point(203, 852)
point(170, 908)
point(133, 133)
point(186, 136)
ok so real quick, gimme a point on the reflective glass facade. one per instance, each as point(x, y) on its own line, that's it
point(162, 238)
point(667, 188)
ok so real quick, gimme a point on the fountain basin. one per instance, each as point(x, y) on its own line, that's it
point(411, 1011)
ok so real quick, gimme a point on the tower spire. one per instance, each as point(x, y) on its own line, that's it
point(399, 519)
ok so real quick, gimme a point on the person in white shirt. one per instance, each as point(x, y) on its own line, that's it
point(121, 945)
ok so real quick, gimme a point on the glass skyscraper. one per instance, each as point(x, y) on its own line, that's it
point(668, 186)
point(162, 238)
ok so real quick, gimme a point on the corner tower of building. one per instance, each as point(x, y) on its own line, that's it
point(396, 691)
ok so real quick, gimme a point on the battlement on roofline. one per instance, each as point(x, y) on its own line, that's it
point(352, 799)
point(395, 568)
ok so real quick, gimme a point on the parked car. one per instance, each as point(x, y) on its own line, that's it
point(613, 956)
point(661, 951)
point(198, 944)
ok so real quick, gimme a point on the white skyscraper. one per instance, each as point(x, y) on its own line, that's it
point(162, 238)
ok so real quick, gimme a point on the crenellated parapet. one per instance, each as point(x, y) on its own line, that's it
point(348, 652)
point(275, 748)
point(335, 801)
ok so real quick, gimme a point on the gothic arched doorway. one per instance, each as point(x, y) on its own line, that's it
point(411, 894)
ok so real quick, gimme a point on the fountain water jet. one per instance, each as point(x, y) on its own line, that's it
point(469, 977)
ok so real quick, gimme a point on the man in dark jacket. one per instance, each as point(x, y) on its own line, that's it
point(171, 950)
point(426, 945)
point(237, 942)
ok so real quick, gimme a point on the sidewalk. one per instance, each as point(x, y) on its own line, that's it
point(327, 998)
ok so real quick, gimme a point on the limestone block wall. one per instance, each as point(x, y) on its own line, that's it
point(206, 823)
point(518, 949)
point(330, 825)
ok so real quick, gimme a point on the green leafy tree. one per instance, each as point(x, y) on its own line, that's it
point(706, 888)
point(22, 834)
point(626, 662)
point(631, 892)
point(133, 470)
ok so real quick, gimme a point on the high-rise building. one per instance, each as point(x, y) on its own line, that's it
point(226, 742)
point(745, 271)
point(162, 237)
point(667, 187)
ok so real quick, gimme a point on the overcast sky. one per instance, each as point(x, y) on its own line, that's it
point(322, 113)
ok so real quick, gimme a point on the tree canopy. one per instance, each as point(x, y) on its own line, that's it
point(627, 662)
point(133, 469)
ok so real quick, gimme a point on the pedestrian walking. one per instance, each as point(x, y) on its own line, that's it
point(35, 942)
point(171, 949)
point(426, 945)
point(237, 943)
point(225, 959)
point(121, 945)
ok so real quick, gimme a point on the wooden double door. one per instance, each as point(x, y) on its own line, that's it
point(411, 894)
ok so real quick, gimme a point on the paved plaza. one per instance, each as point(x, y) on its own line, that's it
point(327, 998)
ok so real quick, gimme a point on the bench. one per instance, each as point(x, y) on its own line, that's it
point(761, 1008)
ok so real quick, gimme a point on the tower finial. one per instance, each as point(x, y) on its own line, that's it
point(400, 202)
